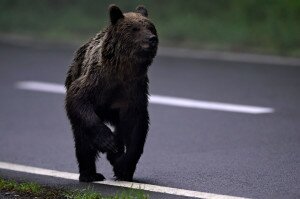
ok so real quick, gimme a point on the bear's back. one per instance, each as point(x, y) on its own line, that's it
point(93, 56)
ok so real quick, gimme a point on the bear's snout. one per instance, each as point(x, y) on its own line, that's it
point(150, 43)
point(153, 40)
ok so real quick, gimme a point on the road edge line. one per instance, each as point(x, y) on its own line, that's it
point(133, 185)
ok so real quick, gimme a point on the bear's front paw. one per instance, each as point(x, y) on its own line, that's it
point(112, 157)
point(124, 169)
point(91, 177)
point(108, 143)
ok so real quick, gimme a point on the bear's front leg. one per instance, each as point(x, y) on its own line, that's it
point(86, 157)
point(91, 135)
point(88, 144)
point(112, 156)
point(134, 126)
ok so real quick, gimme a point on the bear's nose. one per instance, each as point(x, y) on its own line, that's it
point(153, 40)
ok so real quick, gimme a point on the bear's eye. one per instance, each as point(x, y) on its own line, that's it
point(152, 29)
point(135, 29)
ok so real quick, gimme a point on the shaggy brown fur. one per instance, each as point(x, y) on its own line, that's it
point(108, 83)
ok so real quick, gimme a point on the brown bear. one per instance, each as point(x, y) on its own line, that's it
point(107, 83)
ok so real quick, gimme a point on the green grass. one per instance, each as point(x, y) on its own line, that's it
point(29, 189)
point(260, 26)
point(91, 194)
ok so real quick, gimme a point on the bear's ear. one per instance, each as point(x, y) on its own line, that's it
point(142, 10)
point(115, 13)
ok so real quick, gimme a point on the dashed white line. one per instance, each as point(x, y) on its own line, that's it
point(158, 99)
point(189, 103)
point(133, 185)
point(41, 86)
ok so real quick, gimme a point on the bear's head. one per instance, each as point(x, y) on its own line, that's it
point(131, 37)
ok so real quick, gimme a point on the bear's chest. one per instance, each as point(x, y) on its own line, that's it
point(126, 94)
point(120, 98)
point(120, 104)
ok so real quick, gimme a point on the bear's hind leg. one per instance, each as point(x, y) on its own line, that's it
point(135, 127)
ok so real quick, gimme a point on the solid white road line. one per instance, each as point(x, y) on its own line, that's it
point(133, 185)
point(157, 99)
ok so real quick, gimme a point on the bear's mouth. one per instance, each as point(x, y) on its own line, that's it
point(145, 46)
point(148, 47)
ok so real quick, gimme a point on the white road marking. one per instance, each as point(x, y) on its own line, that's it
point(158, 99)
point(133, 185)
point(189, 103)
point(41, 86)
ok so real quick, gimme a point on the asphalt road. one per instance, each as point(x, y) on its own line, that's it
point(238, 154)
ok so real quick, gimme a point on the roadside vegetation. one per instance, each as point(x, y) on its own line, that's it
point(269, 26)
point(13, 189)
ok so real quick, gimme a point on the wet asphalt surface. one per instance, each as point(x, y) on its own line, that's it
point(238, 154)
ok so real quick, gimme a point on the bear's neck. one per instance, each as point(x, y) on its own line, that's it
point(126, 68)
